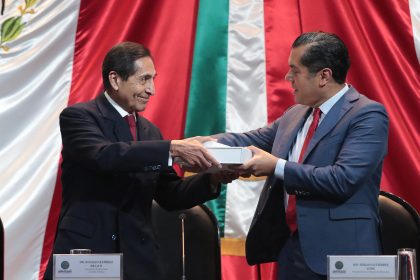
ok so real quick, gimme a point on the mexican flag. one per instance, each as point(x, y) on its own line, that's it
point(221, 67)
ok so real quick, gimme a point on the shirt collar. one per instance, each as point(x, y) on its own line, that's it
point(117, 107)
point(327, 105)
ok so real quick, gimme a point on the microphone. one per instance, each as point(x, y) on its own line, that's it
point(182, 217)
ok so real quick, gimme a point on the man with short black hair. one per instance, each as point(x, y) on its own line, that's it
point(326, 154)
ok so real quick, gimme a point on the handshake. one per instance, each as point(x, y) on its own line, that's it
point(193, 156)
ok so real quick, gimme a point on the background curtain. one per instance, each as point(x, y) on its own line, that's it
point(221, 67)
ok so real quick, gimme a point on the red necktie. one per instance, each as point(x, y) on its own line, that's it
point(131, 120)
point(291, 206)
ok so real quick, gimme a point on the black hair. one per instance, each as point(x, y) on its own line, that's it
point(325, 50)
point(121, 59)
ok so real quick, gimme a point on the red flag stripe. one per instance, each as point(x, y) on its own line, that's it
point(167, 28)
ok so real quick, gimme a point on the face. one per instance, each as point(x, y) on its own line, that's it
point(307, 86)
point(132, 95)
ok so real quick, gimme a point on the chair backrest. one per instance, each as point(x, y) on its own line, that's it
point(1, 250)
point(202, 242)
point(400, 226)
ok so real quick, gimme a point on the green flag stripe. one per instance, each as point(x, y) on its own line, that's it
point(207, 100)
point(206, 112)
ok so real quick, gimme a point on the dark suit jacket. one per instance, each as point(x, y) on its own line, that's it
point(109, 182)
point(336, 187)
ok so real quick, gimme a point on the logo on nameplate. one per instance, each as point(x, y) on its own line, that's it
point(65, 265)
point(339, 265)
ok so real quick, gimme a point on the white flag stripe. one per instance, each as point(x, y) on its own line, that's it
point(246, 102)
point(241, 202)
point(246, 98)
point(415, 22)
point(35, 78)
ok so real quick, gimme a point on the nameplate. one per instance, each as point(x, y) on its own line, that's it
point(87, 266)
point(361, 267)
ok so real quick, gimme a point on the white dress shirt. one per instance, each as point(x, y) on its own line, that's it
point(124, 113)
point(117, 107)
point(294, 153)
point(300, 138)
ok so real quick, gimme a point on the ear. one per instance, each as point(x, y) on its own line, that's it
point(326, 76)
point(114, 80)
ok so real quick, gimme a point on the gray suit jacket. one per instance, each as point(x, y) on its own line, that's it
point(336, 187)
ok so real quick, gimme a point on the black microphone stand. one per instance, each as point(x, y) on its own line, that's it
point(182, 217)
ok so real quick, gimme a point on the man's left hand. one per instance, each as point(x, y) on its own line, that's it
point(224, 177)
point(261, 164)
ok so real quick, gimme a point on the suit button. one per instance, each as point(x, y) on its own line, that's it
point(269, 188)
point(114, 237)
point(143, 240)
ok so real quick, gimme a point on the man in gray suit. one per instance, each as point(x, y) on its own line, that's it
point(326, 154)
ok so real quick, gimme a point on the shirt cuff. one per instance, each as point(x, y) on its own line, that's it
point(214, 188)
point(279, 171)
point(170, 161)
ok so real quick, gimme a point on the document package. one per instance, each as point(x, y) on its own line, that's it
point(231, 155)
point(228, 155)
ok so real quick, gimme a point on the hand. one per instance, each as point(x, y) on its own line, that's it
point(224, 177)
point(261, 164)
point(201, 139)
point(193, 154)
point(191, 169)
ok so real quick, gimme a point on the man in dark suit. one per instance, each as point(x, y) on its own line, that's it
point(326, 154)
point(112, 170)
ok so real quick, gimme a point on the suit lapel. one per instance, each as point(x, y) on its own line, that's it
point(112, 120)
point(287, 136)
point(332, 118)
point(143, 131)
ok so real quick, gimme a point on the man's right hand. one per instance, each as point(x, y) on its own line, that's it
point(201, 139)
point(192, 153)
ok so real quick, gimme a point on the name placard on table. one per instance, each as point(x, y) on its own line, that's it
point(87, 266)
point(362, 267)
